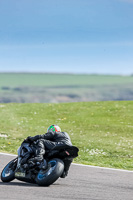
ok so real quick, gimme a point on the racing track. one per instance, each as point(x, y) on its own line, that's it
point(83, 182)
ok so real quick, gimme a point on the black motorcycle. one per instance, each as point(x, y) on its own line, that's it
point(42, 173)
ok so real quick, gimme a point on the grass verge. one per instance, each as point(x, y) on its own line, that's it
point(102, 130)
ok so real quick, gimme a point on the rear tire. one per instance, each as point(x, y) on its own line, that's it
point(50, 175)
point(8, 173)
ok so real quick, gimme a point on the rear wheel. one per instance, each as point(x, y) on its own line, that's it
point(51, 174)
point(8, 173)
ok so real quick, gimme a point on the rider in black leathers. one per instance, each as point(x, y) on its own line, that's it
point(53, 137)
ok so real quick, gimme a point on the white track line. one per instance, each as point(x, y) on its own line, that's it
point(7, 154)
point(97, 167)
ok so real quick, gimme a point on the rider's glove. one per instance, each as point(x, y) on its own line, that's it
point(32, 139)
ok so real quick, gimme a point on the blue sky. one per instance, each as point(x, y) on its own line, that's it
point(73, 36)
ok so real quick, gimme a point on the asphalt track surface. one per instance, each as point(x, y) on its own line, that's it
point(83, 182)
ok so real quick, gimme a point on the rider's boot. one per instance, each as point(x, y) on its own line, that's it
point(44, 165)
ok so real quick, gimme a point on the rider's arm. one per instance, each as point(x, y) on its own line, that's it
point(48, 136)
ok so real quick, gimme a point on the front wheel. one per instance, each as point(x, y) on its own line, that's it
point(50, 175)
point(8, 173)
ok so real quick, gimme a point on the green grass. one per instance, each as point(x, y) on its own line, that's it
point(29, 79)
point(103, 131)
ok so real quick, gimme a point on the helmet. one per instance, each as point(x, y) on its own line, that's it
point(54, 128)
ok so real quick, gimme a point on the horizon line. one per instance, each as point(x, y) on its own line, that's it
point(62, 73)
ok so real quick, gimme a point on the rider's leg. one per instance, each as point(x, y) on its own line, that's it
point(39, 151)
point(67, 163)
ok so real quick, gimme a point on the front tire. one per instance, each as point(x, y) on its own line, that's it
point(50, 175)
point(8, 173)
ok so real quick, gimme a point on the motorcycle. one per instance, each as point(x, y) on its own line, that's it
point(43, 173)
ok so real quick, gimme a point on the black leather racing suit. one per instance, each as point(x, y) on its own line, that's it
point(50, 140)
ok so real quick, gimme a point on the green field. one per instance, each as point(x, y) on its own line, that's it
point(103, 131)
point(36, 79)
point(59, 88)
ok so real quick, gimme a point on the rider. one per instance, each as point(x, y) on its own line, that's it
point(54, 137)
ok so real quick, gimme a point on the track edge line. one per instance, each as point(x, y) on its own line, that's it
point(82, 165)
